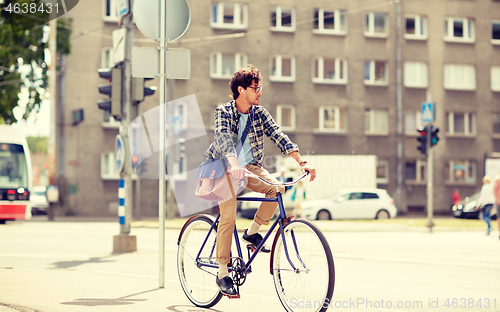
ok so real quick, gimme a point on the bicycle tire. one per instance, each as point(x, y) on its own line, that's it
point(198, 283)
point(307, 290)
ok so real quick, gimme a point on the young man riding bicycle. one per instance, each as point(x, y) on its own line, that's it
point(244, 114)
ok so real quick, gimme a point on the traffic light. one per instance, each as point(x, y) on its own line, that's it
point(422, 139)
point(434, 135)
point(139, 91)
point(135, 159)
point(114, 91)
point(179, 149)
point(140, 168)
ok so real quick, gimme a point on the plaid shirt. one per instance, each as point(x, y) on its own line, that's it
point(226, 133)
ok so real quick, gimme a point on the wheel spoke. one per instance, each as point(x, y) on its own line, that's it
point(198, 283)
point(306, 289)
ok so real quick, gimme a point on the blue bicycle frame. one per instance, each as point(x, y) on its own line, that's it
point(279, 221)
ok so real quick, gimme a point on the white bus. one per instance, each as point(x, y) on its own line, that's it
point(15, 175)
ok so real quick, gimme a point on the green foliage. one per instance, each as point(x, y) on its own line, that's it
point(64, 27)
point(37, 144)
point(22, 63)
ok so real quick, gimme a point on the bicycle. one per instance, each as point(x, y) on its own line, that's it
point(301, 260)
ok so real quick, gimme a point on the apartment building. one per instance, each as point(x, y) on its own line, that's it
point(330, 79)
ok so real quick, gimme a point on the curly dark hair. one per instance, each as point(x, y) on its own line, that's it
point(244, 77)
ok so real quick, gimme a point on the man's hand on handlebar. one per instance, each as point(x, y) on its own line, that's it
point(310, 169)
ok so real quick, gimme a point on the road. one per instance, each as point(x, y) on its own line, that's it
point(68, 266)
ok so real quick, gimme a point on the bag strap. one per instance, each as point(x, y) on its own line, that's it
point(244, 135)
point(230, 185)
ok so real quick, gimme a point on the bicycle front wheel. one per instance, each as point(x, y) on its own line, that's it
point(310, 286)
point(197, 279)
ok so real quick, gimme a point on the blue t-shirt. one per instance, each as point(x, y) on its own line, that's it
point(246, 155)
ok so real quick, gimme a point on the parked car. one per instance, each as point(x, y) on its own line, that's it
point(466, 208)
point(352, 204)
point(38, 199)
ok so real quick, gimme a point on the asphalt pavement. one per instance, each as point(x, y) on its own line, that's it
point(67, 265)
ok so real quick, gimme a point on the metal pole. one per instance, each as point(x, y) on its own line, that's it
point(170, 163)
point(399, 108)
point(430, 207)
point(137, 205)
point(430, 172)
point(161, 167)
point(53, 91)
point(60, 154)
point(126, 118)
point(171, 153)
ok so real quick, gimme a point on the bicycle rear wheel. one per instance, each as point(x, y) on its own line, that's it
point(198, 283)
point(311, 287)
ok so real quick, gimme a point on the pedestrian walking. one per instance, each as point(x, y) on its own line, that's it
point(456, 197)
point(496, 192)
point(486, 201)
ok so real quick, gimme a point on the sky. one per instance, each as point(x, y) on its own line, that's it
point(38, 124)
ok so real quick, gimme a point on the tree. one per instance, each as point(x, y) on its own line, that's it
point(37, 144)
point(23, 69)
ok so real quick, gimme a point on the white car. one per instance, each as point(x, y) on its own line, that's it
point(38, 200)
point(351, 204)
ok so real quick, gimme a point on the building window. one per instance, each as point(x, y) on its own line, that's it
point(415, 170)
point(180, 166)
point(413, 121)
point(282, 18)
point(331, 119)
point(382, 171)
point(108, 167)
point(229, 16)
point(460, 171)
point(415, 27)
point(375, 24)
point(459, 29)
point(376, 121)
point(285, 117)
point(109, 11)
point(461, 124)
point(495, 78)
point(180, 116)
point(329, 70)
point(330, 22)
point(459, 77)
point(495, 32)
point(223, 65)
point(415, 75)
point(107, 58)
point(376, 73)
point(496, 123)
point(282, 68)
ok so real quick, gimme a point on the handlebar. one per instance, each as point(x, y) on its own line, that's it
point(248, 173)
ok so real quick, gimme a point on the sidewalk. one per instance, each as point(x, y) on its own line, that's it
point(402, 223)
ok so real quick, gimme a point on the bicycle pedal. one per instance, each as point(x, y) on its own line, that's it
point(233, 297)
point(251, 247)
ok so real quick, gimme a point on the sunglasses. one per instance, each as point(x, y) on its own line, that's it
point(257, 89)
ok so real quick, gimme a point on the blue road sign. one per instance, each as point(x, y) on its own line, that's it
point(119, 153)
point(123, 7)
point(427, 112)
